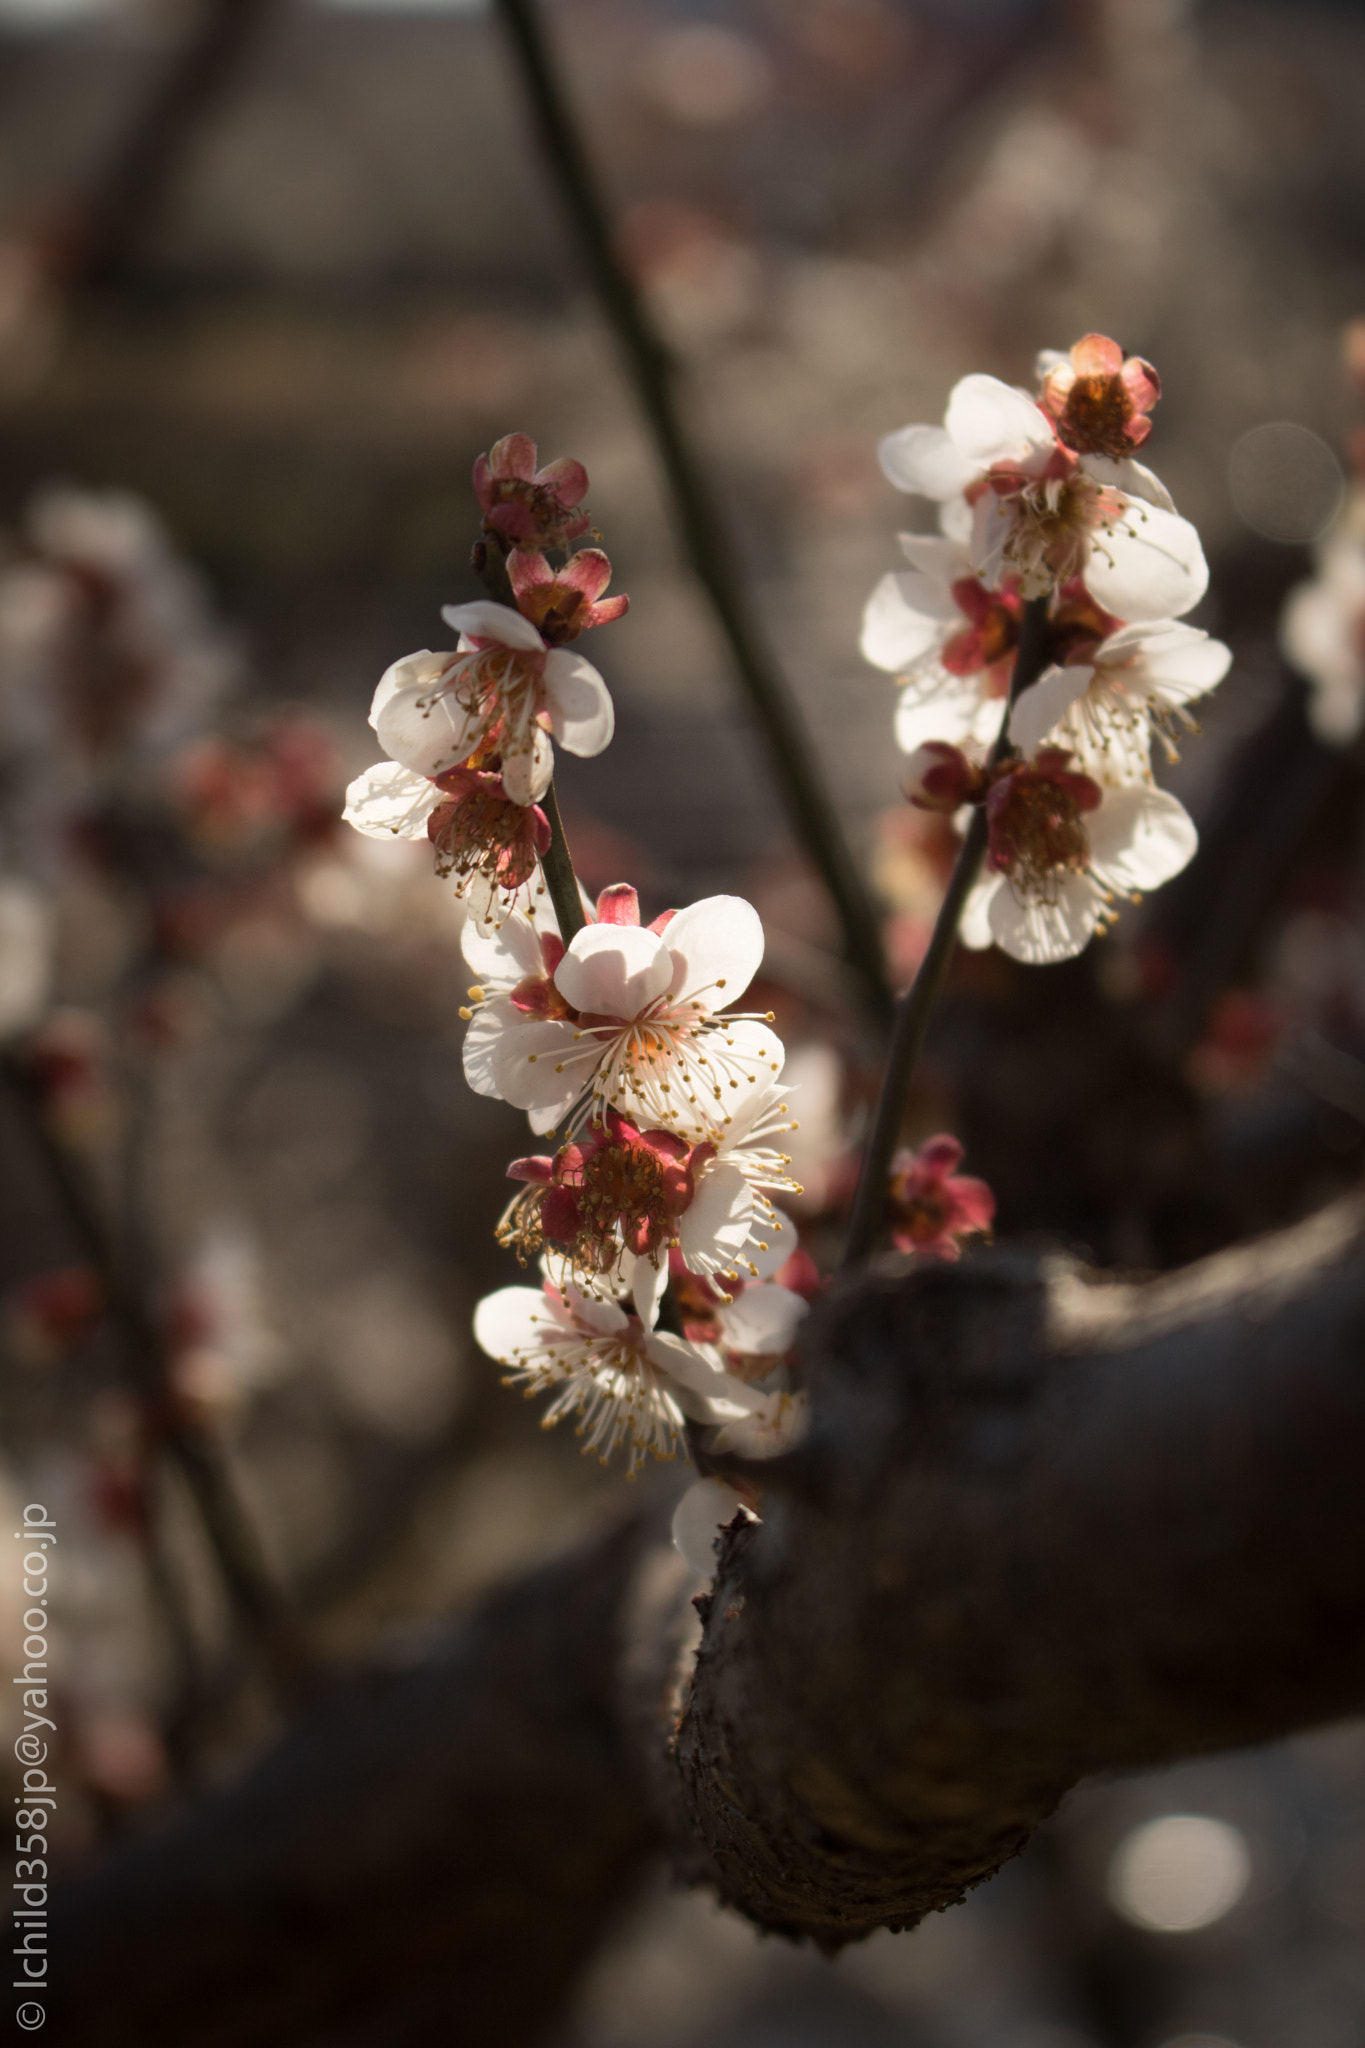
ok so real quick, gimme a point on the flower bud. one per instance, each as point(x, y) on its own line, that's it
point(941, 778)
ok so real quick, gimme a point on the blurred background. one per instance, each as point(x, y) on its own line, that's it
point(256, 321)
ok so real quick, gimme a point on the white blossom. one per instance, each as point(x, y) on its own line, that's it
point(1105, 708)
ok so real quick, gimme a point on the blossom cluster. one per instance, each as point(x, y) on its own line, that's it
point(1042, 503)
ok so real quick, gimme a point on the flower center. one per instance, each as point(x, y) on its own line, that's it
point(1036, 834)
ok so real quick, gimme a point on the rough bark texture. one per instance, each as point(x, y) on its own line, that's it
point(1039, 1530)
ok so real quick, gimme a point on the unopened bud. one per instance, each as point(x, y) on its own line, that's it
point(941, 778)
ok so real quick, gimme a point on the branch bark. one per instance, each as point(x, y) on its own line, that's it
point(1040, 1529)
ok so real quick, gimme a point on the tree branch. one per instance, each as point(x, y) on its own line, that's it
point(1040, 1528)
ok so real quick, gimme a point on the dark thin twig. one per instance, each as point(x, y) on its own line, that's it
point(810, 814)
point(253, 1597)
point(917, 1005)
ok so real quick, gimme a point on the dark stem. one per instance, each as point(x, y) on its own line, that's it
point(252, 1596)
point(560, 878)
point(810, 814)
point(917, 1005)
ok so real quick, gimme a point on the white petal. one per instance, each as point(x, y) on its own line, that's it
point(536, 1064)
point(704, 1510)
point(615, 970)
point(943, 562)
point(594, 1313)
point(580, 708)
point(939, 706)
point(484, 620)
point(717, 948)
point(772, 1240)
point(1139, 838)
point(389, 802)
point(427, 731)
point(527, 765)
point(502, 957)
point(512, 1320)
point(974, 930)
point(991, 530)
point(647, 1289)
point(955, 520)
point(1179, 663)
point(420, 671)
point(1147, 565)
point(992, 422)
point(26, 955)
point(1315, 633)
point(763, 1320)
point(924, 459)
point(704, 1389)
point(1134, 479)
point(1045, 702)
point(894, 633)
point(483, 1045)
point(715, 1225)
point(1037, 932)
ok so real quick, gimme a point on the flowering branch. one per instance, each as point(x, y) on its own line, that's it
point(810, 815)
point(916, 1007)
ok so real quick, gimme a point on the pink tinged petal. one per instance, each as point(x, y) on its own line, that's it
point(1095, 355)
point(420, 671)
point(610, 609)
point(589, 571)
point(1179, 663)
point(975, 928)
point(618, 905)
point(992, 422)
point(647, 1288)
point(925, 460)
point(704, 1510)
point(939, 1156)
point(763, 1321)
point(428, 732)
point(716, 947)
point(1147, 565)
point(566, 478)
point(614, 970)
point(894, 633)
point(1046, 702)
point(716, 1224)
point(580, 707)
point(1140, 838)
point(1134, 479)
point(528, 765)
point(505, 956)
point(1037, 932)
point(389, 801)
point(513, 456)
point(484, 620)
point(939, 707)
point(974, 1204)
point(513, 1320)
point(527, 570)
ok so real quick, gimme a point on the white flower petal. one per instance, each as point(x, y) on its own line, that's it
point(426, 730)
point(715, 1225)
point(389, 802)
point(1037, 932)
point(716, 947)
point(483, 1045)
point(527, 764)
point(648, 1285)
point(924, 459)
point(1045, 702)
point(1147, 565)
point(894, 633)
point(580, 707)
point(615, 970)
point(594, 1313)
point(513, 1320)
point(939, 706)
point(536, 1064)
point(941, 561)
point(26, 955)
point(704, 1510)
point(772, 1240)
point(974, 929)
point(502, 957)
point(420, 671)
point(1139, 838)
point(1179, 663)
point(484, 620)
point(1134, 479)
point(993, 422)
point(763, 1320)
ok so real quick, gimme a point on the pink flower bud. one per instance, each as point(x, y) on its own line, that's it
point(941, 778)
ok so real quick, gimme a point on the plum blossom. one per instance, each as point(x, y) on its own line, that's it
point(625, 1379)
point(526, 507)
point(950, 640)
point(1061, 849)
point(1041, 513)
point(504, 689)
point(1104, 704)
point(564, 603)
point(1097, 398)
point(1322, 629)
point(931, 1206)
point(645, 1032)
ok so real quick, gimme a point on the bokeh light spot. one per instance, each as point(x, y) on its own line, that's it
point(1179, 1873)
point(1285, 481)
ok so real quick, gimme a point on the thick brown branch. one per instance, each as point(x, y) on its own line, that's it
point(1039, 1531)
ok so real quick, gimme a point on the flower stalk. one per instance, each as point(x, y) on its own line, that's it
point(916, 1007)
